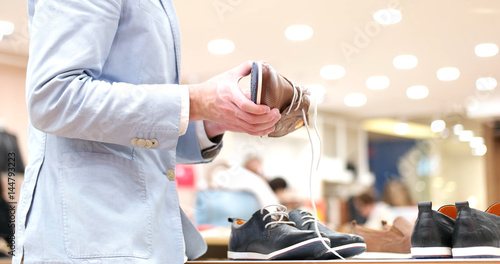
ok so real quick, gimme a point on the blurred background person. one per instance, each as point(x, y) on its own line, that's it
point(396, 193)
point(285, 194)
point(278, 185)
point(233, 191)
point(369, 212)
point(255, 165)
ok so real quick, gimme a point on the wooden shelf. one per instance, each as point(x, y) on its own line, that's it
point(360, 261)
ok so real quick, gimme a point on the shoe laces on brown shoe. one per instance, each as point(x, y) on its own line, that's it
point(276, 91)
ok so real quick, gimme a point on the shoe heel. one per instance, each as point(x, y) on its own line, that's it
point(432, 233)
point(476, 233)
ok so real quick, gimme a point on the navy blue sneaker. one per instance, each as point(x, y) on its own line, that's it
point(432, 233)
point(346, 245)
point(477, 233)
point(271, 236)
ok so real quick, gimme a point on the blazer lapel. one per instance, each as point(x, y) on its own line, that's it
point(168, 6)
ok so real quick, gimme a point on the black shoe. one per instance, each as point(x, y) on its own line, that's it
point(270, 88)
point(269, 235)
point(477, 233)
point(432, 233)
point(346, 245)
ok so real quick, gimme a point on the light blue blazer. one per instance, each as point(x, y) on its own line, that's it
point(104, 104)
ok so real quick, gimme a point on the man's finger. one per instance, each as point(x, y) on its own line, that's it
point(242, 70)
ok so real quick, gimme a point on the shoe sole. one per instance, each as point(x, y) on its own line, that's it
point(256, 82)
point(476, 252)
point(302, 250)
point(346, 251)
point(430, 252)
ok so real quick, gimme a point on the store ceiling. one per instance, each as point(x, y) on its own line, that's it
point(440, 33)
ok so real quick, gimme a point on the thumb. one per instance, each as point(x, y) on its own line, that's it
point(242, 70)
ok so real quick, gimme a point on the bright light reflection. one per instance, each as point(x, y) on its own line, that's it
point(438, 125)
point(298, 32)
point(220, 46)
point(401, 128)
point(355, 99)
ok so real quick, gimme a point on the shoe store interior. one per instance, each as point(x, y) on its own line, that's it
point(398, 151)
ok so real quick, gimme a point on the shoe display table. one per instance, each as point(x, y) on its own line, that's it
point(360, 261)
point(217, 240)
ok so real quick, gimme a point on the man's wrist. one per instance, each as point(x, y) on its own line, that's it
point(195, 113)
point(210, 146)
point(212, 129)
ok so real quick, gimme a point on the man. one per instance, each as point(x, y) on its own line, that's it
point(108, 123)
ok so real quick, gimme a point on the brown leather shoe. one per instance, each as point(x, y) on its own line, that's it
point(392, 239)
point(276, 91)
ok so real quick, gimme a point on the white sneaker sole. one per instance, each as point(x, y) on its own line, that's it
point(275, 254)
point(475, 252)
point(431, 252)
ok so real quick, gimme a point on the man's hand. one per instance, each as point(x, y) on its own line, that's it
point(224, 107)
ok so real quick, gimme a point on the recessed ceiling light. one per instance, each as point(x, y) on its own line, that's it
point(486, 49)
point(417, 92)
point(6, 28)
point(387, 16)
point(457, 129)
point(438, 126)
point(486, 83)
point(332, 72)
point(355, 99)
point(448, 74)
point(377, 82)
point(466, 135)
point(298, 32)
point(479, 150)
point(405, 62)
point(476, 141)
point(220, 46)
point(401, 128)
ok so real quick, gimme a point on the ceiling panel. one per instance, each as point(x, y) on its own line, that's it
point(440, 33)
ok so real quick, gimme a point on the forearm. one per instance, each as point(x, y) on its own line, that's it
point(111, 113)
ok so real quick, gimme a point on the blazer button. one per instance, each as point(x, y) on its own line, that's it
point(134, 142)
point(154, 143)
point(141, 143)
point(171, 175)
point(149, 144)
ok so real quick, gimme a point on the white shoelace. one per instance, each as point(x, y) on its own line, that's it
point(308, 216)
point(311, 173)
point(298, 89)
point(300, 94)
point(277, 215)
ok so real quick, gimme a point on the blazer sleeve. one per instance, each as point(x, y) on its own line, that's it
point(70, 43)
point(188, 149)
